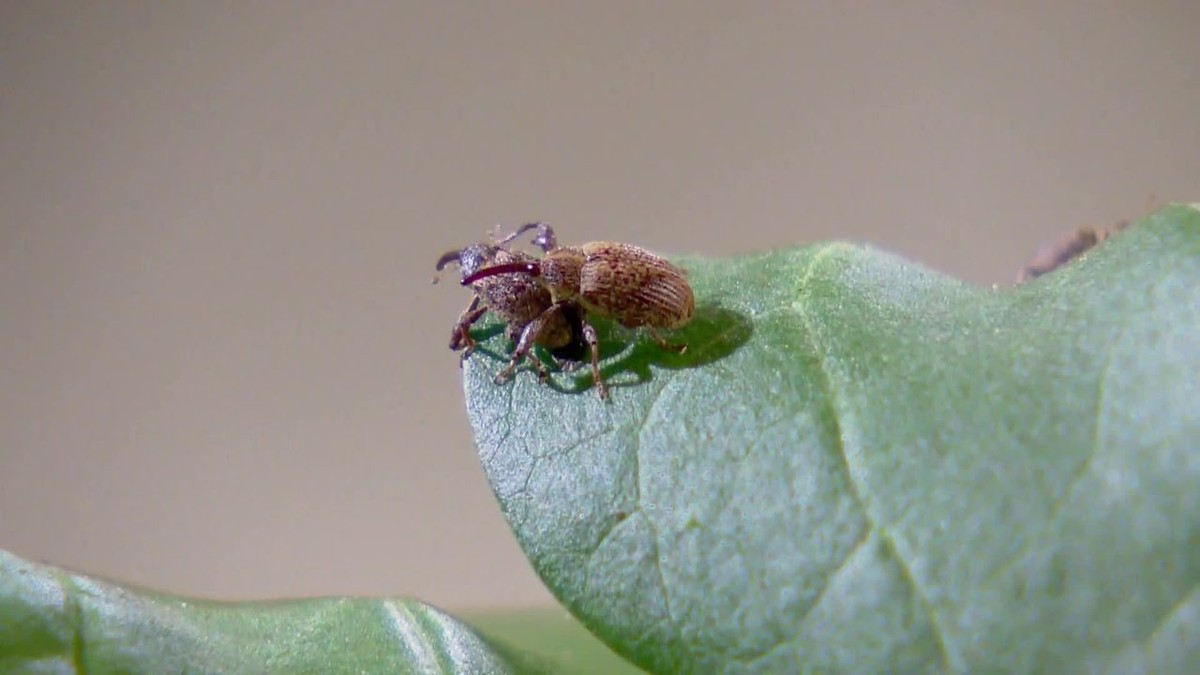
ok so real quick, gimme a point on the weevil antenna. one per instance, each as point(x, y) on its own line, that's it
point(531, 268)
point(447, 258)
point(544, 240)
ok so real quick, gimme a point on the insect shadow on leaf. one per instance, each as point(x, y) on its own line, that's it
point(715, 333)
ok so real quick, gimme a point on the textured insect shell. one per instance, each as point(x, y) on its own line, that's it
point(632, 286)
point(517, 299)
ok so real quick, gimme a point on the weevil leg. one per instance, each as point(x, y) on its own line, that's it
point(662, 342)
point(517, 232)
point(545, 238)
point(504, 375)
point(593, 342)
point(565, 365)
point(507, 374)
point(528, 338)
point(460, 335)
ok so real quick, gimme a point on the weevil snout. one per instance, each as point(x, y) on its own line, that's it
point(531, 268)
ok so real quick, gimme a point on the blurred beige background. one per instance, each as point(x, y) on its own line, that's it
point(223, 370)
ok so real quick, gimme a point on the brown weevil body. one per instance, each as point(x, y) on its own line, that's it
point(520, 302)
point(1065, 250)
point(626, 283)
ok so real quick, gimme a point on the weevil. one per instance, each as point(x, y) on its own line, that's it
point(626, 283)
point(1068, 247)
point(521, 303)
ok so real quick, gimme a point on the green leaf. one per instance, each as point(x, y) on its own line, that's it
point(553, 636)
point(861, 465)
point(54, 621)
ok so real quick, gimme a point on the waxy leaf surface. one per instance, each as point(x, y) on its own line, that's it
point(861, 465)
point(53, 621)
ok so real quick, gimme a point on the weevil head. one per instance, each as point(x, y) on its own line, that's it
point(559, 272)
point(469, 259)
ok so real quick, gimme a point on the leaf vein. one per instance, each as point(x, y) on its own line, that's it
point(857, 491)
point(76, 617)
point(1072, 484)
point(637, 469)
point(1148, 643)
point(1097, 435)
point(411, 635)
point(751, 660)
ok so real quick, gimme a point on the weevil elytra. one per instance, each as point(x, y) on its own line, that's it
point(626, 283)
point(521, 303)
